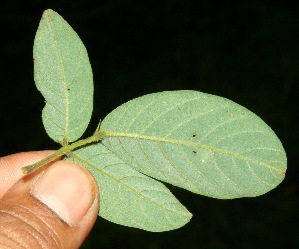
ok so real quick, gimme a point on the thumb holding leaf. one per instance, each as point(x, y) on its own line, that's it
point(54, 207)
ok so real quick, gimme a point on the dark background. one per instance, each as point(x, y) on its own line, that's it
point(247, 51)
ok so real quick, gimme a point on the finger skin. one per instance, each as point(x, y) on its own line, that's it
point(10, 167)
point(25, 222)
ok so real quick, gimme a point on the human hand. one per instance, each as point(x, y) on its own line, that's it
point(54, 207)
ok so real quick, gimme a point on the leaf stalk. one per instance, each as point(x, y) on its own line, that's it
point(96, 137)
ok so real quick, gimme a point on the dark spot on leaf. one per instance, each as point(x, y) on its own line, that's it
point(194, 151)
point(193, 135)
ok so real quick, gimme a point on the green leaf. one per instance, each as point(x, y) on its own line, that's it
point(130, 198)
point(63, 74)
point(203, 143)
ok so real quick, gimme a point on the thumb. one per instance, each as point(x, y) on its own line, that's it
point(53, 208)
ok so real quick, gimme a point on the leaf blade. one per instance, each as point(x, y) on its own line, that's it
point(203, 143)
point(130, 198)
point(63, 75)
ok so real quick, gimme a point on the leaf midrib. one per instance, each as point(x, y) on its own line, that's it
point(63, 80)
point(125, 185)
point(107, 134)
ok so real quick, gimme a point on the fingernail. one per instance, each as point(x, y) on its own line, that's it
point(66, 189)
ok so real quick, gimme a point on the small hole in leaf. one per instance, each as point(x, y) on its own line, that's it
point(193, 135)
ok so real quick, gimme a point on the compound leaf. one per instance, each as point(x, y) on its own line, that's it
point(201, 142)
point(63, 75)
point(128, 197)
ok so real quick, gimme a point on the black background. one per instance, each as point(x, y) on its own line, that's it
point(247, 51)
